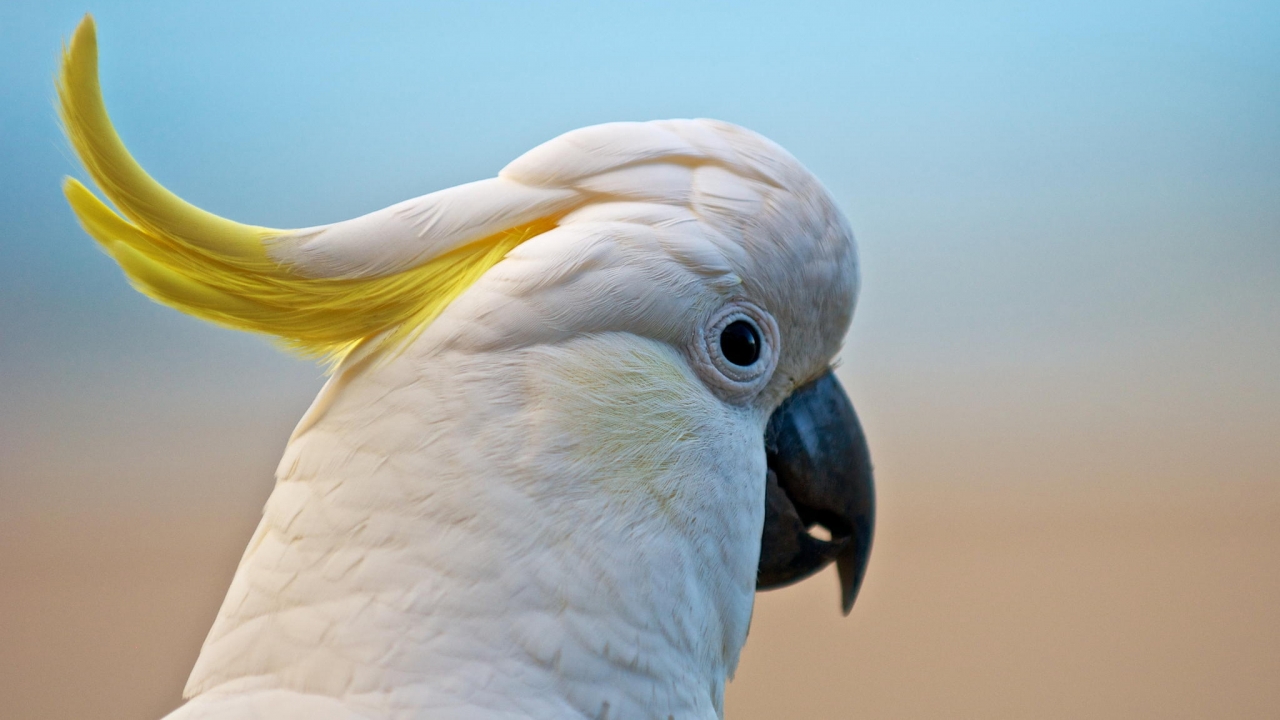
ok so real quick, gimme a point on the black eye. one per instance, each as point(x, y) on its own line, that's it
point(740, 343)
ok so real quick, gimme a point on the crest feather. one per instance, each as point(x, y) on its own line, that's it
point(221, 271)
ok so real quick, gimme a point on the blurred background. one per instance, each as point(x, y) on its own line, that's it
point(1066, 354)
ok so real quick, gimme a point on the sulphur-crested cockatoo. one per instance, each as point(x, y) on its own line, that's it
point(579, 413)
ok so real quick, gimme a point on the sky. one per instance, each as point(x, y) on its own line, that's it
point(1068, 215)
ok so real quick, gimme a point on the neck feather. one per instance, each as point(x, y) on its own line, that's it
point(548, 533)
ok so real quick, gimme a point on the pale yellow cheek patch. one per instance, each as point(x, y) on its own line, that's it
point(627, 411)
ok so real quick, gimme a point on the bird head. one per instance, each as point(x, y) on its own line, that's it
point(633, 325)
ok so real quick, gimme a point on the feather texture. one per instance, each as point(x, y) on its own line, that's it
point(541, 506)
point(221, 271)
point(377, 280)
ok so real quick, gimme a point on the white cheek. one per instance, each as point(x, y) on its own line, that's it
point(630, 439)
point(628, 416)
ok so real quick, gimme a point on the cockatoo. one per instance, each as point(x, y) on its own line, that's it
point(578, 414)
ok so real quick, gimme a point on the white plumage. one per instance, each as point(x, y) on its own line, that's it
point(549, 503)
point(539, 509)
point(415, 231)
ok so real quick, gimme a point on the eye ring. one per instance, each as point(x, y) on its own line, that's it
point(739, 368)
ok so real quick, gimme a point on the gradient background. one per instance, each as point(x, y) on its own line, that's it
point(1066, 355)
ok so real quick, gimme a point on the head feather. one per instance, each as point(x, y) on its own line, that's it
point(223, 271)
point(377, 280)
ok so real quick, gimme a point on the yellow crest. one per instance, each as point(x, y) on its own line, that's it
point(219, 270)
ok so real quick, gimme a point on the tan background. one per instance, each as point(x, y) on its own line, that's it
point(975, 607)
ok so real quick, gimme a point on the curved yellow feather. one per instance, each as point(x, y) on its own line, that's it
point(139, 197)
point(218, 270)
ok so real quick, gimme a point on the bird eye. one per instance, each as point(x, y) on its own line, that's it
point(740, 343)
point(736, 350)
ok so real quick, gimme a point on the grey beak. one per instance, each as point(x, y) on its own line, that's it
point(819, 474)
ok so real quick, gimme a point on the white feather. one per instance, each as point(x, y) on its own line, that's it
point(414, 231)
point(541, 508)
point(662, 162)
point(658, 182)
point(589, 151)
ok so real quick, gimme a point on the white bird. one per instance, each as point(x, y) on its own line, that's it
point(553, 463)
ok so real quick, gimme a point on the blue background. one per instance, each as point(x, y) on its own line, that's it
point(1069, 215)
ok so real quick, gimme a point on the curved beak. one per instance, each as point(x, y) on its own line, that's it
point(819, 474)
